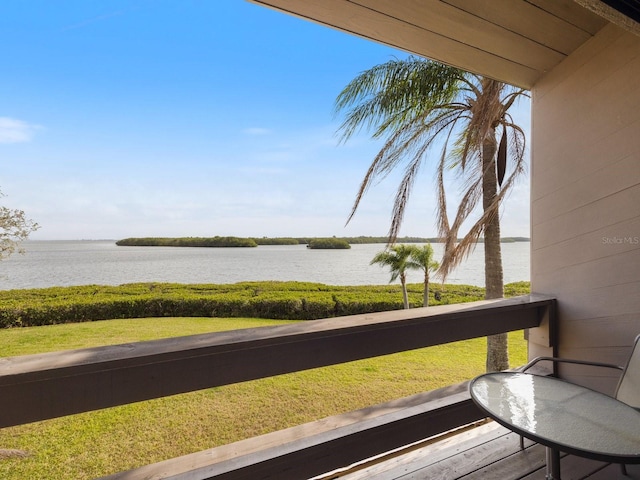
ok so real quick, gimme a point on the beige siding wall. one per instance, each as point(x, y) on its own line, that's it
point(586, 197)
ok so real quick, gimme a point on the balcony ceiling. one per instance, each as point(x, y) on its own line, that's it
point(515, 41)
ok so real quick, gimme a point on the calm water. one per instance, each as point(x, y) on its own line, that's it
point(64, 263)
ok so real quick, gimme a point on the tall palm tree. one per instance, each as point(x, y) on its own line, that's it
point(396, 257)
point(416, 104)
point(421, 258)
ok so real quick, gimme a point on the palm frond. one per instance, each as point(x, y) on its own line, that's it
point(401, 199)
point(441, 207)
point(390, 94)
point(456, 252)
point(409, 144)
point(501, 160)
point(415, 102)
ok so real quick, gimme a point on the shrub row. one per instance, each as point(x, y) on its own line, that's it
point(276, 300)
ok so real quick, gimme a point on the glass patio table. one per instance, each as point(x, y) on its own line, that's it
point(561, 416)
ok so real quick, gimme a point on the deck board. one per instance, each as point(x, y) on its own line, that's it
point(487, 451)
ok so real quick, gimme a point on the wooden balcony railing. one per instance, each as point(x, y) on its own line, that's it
point(44, 386)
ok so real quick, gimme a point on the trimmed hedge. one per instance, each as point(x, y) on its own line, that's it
point(275, 300)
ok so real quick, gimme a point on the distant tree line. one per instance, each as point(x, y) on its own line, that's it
point(318, 242)
point(187, 242)
point(329, 244)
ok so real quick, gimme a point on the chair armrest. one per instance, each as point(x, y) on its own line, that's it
point(568, 360)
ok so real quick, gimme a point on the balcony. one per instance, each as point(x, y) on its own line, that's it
point(412, 434)
point(479, 451)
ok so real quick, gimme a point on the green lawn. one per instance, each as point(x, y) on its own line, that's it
point(98, 443)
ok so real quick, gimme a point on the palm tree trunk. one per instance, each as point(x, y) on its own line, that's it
point(497, 347)
point(492, 249)
point(425, 295)
point(405, 295)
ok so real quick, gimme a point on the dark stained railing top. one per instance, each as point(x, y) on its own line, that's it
point(49, 385)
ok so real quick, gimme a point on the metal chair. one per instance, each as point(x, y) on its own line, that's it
point(628, 389)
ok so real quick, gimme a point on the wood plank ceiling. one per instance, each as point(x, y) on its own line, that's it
point(515, 41)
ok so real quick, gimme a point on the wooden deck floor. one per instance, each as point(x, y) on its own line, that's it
point(484, 452)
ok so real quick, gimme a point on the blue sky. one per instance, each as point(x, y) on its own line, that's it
point(190, 118)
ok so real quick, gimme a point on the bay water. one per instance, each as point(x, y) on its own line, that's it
point(102, 262)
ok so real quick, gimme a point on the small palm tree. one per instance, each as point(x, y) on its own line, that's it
point(421, 258)
point(396, 257)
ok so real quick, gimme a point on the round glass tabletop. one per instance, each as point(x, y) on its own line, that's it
point(561, 415)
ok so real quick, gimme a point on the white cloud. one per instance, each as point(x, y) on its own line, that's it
point(256, 131)
point(15, 131)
